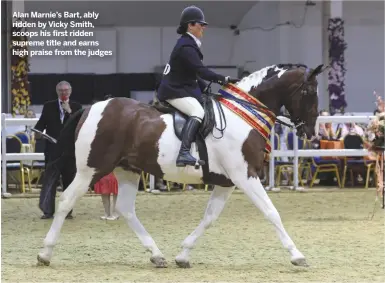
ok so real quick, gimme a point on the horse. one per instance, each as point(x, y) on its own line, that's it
point(124, 136)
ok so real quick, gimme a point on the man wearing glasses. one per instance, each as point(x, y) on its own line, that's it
point(53, 117)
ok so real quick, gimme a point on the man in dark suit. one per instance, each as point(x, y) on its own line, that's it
point(53, 117)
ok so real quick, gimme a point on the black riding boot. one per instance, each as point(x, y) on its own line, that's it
point(189, 133)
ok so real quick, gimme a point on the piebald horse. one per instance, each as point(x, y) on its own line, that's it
point(125, 136)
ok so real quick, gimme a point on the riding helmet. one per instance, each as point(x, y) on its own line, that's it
point(192, 14)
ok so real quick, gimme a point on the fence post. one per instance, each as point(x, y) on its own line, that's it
point(295, 161)
point(4, 157)
point(271, 161)
point(152, 182)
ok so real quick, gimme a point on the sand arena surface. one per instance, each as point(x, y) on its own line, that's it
point(332, 229)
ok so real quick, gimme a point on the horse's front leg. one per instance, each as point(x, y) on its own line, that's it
point(215, 205)
point(128, 187)
point(69, 197)
point(253, 188)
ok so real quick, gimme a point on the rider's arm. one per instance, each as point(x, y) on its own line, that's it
point(192, 60)
point(202, 84)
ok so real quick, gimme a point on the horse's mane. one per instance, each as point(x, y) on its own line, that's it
point(257, 77)
point(291, 66)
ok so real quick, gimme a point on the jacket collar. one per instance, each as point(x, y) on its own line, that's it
point(197, 41)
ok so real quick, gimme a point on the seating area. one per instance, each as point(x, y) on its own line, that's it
point(325, 171)
point(24, 172)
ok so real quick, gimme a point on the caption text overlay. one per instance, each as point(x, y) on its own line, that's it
point(56, 34)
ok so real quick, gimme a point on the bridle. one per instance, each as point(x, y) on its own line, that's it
point(303, 87)
point(297, 122)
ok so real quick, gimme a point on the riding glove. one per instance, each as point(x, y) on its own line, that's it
point(231, 80)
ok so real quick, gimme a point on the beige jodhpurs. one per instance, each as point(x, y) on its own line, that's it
point(189, 106)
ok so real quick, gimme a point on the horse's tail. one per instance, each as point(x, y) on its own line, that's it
point(65, 145)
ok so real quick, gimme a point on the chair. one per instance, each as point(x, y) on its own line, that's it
point(288, 166)
point(352, 141)
point(39, 165)
point(23, 136)
point(325, 165)
point(290, 141)
point(14, 145)
point(280, 165)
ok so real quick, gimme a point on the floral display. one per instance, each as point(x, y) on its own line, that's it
point(19, 74)
point(337, 47)
point(376, 141)
point(376, 127)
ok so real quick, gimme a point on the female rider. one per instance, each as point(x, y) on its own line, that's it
point(182, 82)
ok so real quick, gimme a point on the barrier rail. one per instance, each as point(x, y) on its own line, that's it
point(6, 122)
point(275, 153)
point(316, 152)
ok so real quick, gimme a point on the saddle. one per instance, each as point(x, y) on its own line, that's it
point(206, 127)
point(180, 118)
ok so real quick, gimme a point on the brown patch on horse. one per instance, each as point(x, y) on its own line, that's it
point(218, 179)
point(253, 150)
point(127, 136)
point(81, 121)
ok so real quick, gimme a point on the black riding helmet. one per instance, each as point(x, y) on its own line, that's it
point(192, 14)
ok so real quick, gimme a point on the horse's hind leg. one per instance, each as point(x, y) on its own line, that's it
point(215, 205)
point(75, 190)
point(128, 187)
point(253, 188)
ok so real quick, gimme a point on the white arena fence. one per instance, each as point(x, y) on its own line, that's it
point(296, 153)
point(7, 122)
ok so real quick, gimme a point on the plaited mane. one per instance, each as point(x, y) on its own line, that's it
point(255, 79)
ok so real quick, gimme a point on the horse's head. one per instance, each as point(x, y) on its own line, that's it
point(292, 86)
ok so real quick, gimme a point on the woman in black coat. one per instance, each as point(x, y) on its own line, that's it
point(183, 79)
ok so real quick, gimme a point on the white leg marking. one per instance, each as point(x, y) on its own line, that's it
point(75, 190)
point(215, 205)
point(253, 188)
point(125, 204)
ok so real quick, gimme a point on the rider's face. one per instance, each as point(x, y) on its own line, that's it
point(197, 29)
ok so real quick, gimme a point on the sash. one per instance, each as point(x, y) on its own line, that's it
point(258, 120)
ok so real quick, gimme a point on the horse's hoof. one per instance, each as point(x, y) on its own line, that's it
point(159, 261)
point(301, 261)
point(42, 262)
point(182, 263)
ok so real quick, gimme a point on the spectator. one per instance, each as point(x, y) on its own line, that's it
point(326, 131)
point(351, 129)
point(54, 115)
point(107, 186)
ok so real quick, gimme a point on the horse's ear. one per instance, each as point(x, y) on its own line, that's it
point(324, 68)
point(318, 70)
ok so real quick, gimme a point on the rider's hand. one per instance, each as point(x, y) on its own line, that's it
point(231, 80)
